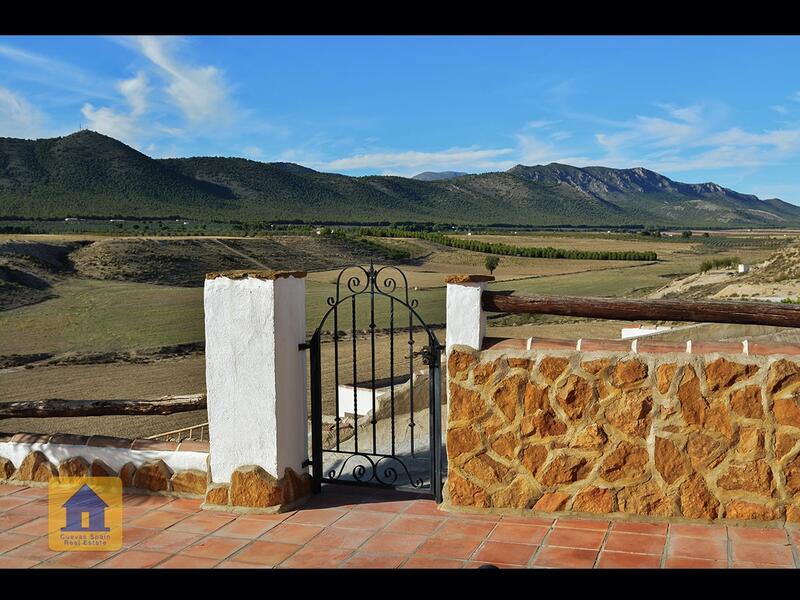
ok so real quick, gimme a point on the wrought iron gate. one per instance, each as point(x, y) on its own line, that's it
point(377, 444)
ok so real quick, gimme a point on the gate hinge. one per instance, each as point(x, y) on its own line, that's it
point(307, 462)
point(303, 346)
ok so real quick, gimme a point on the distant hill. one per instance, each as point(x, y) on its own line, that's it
point(88, 174)
point(438, 175)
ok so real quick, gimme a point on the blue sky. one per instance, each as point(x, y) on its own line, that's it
point(723, 109)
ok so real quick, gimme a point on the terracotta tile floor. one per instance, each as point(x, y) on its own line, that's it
point(358, 528)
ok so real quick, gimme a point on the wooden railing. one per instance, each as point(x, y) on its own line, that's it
point(699, 311)
point(194, 432)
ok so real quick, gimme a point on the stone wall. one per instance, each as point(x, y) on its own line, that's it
point(143, 465)
point(666, 435)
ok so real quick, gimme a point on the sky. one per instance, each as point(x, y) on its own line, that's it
point(694, 108)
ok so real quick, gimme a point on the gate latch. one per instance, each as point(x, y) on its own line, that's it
point(427, 353)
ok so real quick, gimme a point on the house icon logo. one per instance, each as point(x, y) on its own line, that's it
point(85, 502)
point(85, 513)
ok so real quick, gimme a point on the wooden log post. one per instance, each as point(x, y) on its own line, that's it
point(57, 407)
point(697, 311)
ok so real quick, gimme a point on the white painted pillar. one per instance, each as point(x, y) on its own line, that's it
point(466, 321)
point(255, 371)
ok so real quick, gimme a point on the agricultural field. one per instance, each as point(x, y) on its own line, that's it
point(105, 325)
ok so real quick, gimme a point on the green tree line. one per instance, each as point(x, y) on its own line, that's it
point(508, 249)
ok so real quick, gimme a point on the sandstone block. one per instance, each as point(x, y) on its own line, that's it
point(718, 419)
point(253, 487)
point(746, 402)
point(693, 404)
point(153, 476)
point(631, 412)
point(628, 372)
point(6, 468)
point(30, 467)
point(461, 440)
point(644, 499)
point(535, 399)
point(594, 500)
point(665, 374)
point(506, 446)
point(552, 502)
point(191, 481)
point(722, 373)
point(519, 363)
point(742, 510)
point(574, 396)
point(486, 469)
point(696, 501)
point(784, 377)
point(458, 363)
point(465, 493)
point(787, 411)
point(295, 486)
point(101, 469)
point(217, 494)
point(751, 441)
point(508, 394)
point(464, 403)
point(73, 467)
point(520, 493)
point(592, 436)
point(792, 514)
point(595, 366)
point(565, 469)
point(493, 424)
point(45, 471)
point(783, 444)
point(668, 460)
point(552, 367)
point(753, 477)
point(704, 451)
point(127, 474)
point(792, 474)
point(627, 461)
point(542, 423)
point(533, 457)
point(485, 372)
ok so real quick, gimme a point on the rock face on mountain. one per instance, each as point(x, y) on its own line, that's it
point(87, 174)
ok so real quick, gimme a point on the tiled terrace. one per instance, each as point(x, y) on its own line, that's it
point(345, 527)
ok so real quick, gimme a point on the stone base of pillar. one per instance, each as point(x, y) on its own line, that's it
point(252, 489)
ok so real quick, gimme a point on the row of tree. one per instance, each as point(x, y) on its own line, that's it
point(508, 249)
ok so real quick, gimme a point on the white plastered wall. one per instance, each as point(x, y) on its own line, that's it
point(255, 374)
point(466, 321)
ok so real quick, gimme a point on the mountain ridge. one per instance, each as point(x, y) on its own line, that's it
point(89, 174)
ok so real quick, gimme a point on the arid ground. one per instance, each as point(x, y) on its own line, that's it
point(85, 317)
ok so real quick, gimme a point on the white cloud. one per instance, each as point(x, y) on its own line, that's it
point(114, 124)
point(18, 117)
point(539, 124)
point(124, 126)
point(199, 92)
point(450, 159)
point(135, 91)
point(780, 109)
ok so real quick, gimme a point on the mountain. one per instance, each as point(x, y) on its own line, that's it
point(89, 174)
point(438, 175)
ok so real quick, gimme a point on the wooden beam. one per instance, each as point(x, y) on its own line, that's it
point(698, 311)
point(57, 407)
